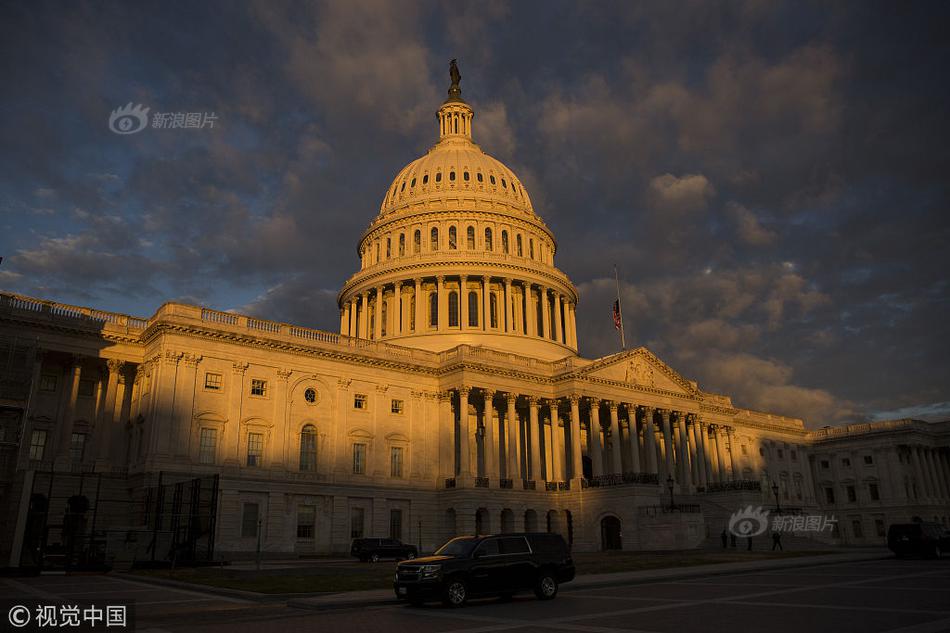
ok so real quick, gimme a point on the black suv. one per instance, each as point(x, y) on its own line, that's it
point(372, 549)
point(918, 539)
point(501, 565)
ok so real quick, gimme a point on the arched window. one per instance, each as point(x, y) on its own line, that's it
point(453, 309)
point(377, 251)
point(504, 242)
point(473, 308)
point(389, 247)
point(518, 245)
point(402, 244)
point(453, 238)
point(488, 240)
point(531, 248)
point(470, 238)
point(479, 177)
point(412, 312)
point(434, 239)
point(465, 176)
point(308, 448)
point(452, 176)
point(425, 179)
point(417, 241)
point(434, 309)
point(383, 316)
point(493, 309)
point(438, 176)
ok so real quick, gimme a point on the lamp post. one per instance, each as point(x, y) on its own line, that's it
point(670, 485)
point(778, 507)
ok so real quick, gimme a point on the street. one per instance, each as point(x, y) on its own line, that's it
point(906, 596)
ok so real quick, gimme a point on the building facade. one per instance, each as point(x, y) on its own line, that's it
point(452, 401)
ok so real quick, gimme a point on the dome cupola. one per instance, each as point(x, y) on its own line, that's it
point(458, 255)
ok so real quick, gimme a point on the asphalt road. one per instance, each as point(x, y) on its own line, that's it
point(906, 596)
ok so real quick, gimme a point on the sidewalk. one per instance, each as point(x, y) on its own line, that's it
point(381, 597)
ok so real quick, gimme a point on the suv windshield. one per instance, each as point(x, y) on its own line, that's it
point(457, 547)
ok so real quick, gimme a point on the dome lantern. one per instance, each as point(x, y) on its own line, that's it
point(455, 116)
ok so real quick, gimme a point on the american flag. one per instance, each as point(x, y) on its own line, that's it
point(618, 321)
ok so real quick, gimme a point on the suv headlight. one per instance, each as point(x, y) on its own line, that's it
point(431, 571)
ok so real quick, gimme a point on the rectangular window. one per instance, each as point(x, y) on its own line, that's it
point(825, 464)
point(395, 461)
point(48, 382)
point(255, 448)
point(207, 446)
point(38, 444)
point(258, 387)
point(781, 454)
point(87, 388)
point(249, 520)
point(857, 529)
point(306, 521)
point(829, 495)
point(868, 459)
point(852, 494)
point(794, 456)
point(359, 459)
point(395, 524)
point(356, 522)
point(212, 381)
point(874, 492)
point(846, 462)
point(879, 527)
point(77, 447)
point(397, 406)
point(359, 401)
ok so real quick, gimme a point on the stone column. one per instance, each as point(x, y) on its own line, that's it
point(486, 291)
point(488, 444)
point(465, 434)
point(508, 308)
point(596, 449)
point(363, 318)
point(939, 492)
point(707, 456)
point(121, 415)
point(232, 428)
point(463, 303)
point(443, 304)
point(378, 324)
point(73, 374)
point(691, 439)
point(667, 441)
point(511, 426)
point(649, 440)
point(421, 307)
point(545, 314)
point(731, 435)
point(698, 432)
point(615, 445)
point(557, 443)
point(280, 454)
point(106, 421)
point(345, 319)
point(448, 467)
point(682, 461)
point(573, 329)
point(577, 461)
point(558, 332)
point(182, 413)
point(351, 315)
point(534, 433)
point(633, 437)
point(531, 318)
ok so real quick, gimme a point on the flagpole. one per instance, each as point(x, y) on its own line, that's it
point(623, 343)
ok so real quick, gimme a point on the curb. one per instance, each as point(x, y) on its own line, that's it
point(345, 600)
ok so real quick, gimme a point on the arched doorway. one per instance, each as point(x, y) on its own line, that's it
point(530, 521)
point(588, 467)
point(507, 521)
point(554, 522)
point(610, 533)
point(482, 521)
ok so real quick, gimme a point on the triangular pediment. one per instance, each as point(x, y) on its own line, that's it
point(638, 368)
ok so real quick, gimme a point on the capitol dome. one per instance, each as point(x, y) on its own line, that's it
point(457, 237)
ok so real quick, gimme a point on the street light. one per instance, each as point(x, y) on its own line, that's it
point(778, 508)
point(669, 484)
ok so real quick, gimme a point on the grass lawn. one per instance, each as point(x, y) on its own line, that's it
point(322, 577)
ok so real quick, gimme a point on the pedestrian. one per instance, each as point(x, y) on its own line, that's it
point(725, 539)
point(732, 540)
point(749, 542)
point(777, 541)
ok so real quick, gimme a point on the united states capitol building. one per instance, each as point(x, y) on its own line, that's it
point(451, 401)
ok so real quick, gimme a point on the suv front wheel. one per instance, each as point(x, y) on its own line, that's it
point(456, 593)
point(546, 588)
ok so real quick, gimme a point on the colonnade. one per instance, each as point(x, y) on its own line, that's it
point(503, 437)
point(460, 303)
point(931, 469)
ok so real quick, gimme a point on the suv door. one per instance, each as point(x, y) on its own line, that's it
point(484, 576)
point(520, 571)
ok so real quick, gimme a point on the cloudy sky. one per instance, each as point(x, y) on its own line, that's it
point(770, 178)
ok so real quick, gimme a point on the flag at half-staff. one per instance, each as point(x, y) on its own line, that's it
point(618, 312)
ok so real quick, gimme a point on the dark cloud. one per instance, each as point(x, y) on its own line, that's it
point(769, 178)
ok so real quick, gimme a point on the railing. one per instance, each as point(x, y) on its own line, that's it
point(564, 485)
point(683, 508)
point(481, 482)
point(550, 486)
point(450, 482)
point(70, 312)
point(214, 316)
point(264, 326)
point(618, 480)
point(528, 484)
point(506, 484)
point(738, 484)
